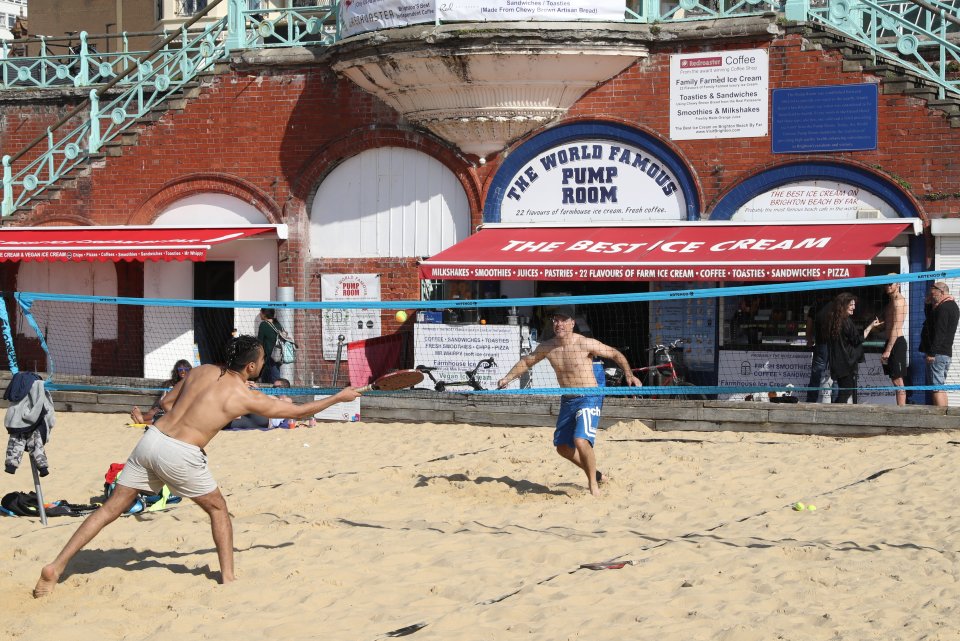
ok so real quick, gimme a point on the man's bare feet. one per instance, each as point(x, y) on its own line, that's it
point(136, 415)
point(48, 580)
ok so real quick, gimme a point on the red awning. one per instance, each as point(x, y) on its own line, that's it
point(88, 243)
point(696, 251)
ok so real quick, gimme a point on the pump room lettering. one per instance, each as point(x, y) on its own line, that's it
point(590, 174)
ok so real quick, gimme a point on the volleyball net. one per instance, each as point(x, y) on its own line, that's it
point(709, 341)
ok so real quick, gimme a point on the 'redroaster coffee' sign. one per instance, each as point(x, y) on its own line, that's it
point(592, 181)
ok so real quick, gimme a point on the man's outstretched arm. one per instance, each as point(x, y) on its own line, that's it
point(523, 366)
point(272, 407)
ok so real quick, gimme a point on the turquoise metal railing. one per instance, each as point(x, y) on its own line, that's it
point(77, 65)
point(915, 33)
point(287, 27)
point(35, 168)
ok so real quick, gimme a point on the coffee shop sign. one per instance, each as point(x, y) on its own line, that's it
point(591, 180)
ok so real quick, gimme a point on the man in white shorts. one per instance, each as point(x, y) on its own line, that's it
point(171, 451)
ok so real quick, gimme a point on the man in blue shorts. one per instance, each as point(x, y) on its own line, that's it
point(571, 356)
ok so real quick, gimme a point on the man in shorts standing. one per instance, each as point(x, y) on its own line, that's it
point(938, 330)
point(571, 356)
point(894, 356)
point(171, 450)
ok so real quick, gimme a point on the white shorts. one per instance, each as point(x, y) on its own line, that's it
point(159, 459)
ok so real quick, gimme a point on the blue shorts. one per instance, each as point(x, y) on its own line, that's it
point(938, 369)
point(579, 417)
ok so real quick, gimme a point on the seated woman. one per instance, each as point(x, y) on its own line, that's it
point(257, 422)
point(180, 369)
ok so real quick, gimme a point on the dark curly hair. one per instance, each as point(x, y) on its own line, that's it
point(242, 350)
point(839, 313)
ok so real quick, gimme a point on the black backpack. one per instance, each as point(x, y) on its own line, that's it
point(21, 503)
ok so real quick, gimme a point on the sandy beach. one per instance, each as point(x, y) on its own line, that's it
point(354, 531)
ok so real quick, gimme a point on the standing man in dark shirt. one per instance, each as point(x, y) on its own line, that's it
point(938, 331)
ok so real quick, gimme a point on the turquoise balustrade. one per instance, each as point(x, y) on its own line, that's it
point(104, 116)
point(87, 67)
point(915, 33)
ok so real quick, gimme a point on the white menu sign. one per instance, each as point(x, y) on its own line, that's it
point(723, 94)
point(352, 324)
point(779, 369)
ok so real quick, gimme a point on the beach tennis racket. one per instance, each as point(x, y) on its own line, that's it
point(393, 381)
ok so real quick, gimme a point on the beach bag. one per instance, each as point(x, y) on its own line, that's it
point(20, 503)
point(285, 349)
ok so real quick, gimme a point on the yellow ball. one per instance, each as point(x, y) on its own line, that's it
point(799, 507)
point(401, 316)
point(812, 508)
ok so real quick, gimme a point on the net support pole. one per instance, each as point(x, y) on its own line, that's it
point(285, 314)
point(38, 490)
point(8, 337)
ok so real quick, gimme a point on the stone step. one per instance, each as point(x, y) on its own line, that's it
point(950, 107)
point(897, 86)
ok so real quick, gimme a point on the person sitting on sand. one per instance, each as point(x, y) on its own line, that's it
point(180, 369)
point(571, 356)
point(171, 451)
point(257, 422)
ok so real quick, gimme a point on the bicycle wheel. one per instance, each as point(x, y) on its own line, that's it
point(690, 397)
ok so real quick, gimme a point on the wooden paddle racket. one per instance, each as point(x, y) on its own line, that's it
point(393, 381)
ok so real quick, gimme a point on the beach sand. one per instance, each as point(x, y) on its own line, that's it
point(352, 531)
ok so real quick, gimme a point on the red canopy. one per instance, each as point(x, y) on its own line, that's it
point(697, 251)
point(87, 243)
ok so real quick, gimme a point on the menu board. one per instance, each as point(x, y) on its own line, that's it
point(692, 319)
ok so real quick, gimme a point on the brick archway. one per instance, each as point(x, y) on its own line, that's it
point(329, 156)
point(196, 184)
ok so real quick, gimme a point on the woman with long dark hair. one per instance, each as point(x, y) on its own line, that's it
point(180, 369)
point(846, 344)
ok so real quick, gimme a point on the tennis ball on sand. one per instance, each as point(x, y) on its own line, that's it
point(812, 508)
point(799, 507)
point(401, 316)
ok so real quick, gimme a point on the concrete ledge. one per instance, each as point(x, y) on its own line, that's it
point(670, 415)
point(541, 411)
